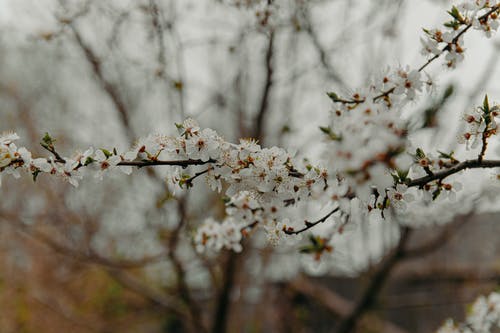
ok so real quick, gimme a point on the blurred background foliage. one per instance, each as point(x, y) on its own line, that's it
point(116, 255)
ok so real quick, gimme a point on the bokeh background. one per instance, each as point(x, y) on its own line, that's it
point(117, 255)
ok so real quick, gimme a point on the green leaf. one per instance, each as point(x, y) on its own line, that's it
point(446, 155)
point(403, 174)
point(448, 92)
point(395, 177)
point(325, 130)
point(486, 105)
point(430, 114)
point(454, 13)
point(35, 174)
point(331, 135)
point(106, 152)
point(333, 96)
point(314, 240)
point(486, 111)
point(88, 161)
point(47, 141)
point(420, 153)
point(452, 24)
point(307, 249)
point(436, 193)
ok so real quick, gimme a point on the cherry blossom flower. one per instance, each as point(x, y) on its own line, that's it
point(105, 162)
point(399, 198)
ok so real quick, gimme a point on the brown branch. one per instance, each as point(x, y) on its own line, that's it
point(454, 274)
point(484, 144)
point(258, 131)
point(67, 314)
point(156, 297)
point(334, 303)
point(323, 56)
point(189, 181)
point(91, 257)
point(468, 164)
point(139, 164)
point(438, 241)
point(427, 63)
point(223, 300)
point(182, 285)
point(309, 225)
point(370, 294)
point(182, 163)
point(109, 88)
point(457, 37)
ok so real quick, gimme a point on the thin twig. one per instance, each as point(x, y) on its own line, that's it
point(455, 40)
point(468, 164)
point(309, 225)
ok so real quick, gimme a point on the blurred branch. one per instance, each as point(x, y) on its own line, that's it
point(385, 268)
point(453, 274)
point(439, 241)
point(378, 280)
point(149, 293)
point(448, 47)
point(90, 256)
point(336, 304)
point(67, 314)
point(107, 86)
point(223, 300)
point(159, 26)
point(323, 55)
point(258, 131)
point(180, 271)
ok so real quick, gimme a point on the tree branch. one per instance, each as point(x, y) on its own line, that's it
point(336, 304)
point(109, 88)
point(309, 225)
point(457, 37)
point(223, 300)
point(468, 164)
point(438, 241)
point(258, 131)
point(377, 282)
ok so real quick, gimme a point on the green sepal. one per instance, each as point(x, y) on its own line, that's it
point(333, 96)
point(436, 193)
point(88, 161)
point(47, 141)
point(420, 153)
point(328, 131)
point(106, 152)
point(35, 174)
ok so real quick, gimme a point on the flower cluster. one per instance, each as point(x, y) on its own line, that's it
point(215, 236)
point(481, 15)
point(484, 315)
point(372, 168)
point(372, 122)
point(260, 181)
point(481, 124)
point(14, 159)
